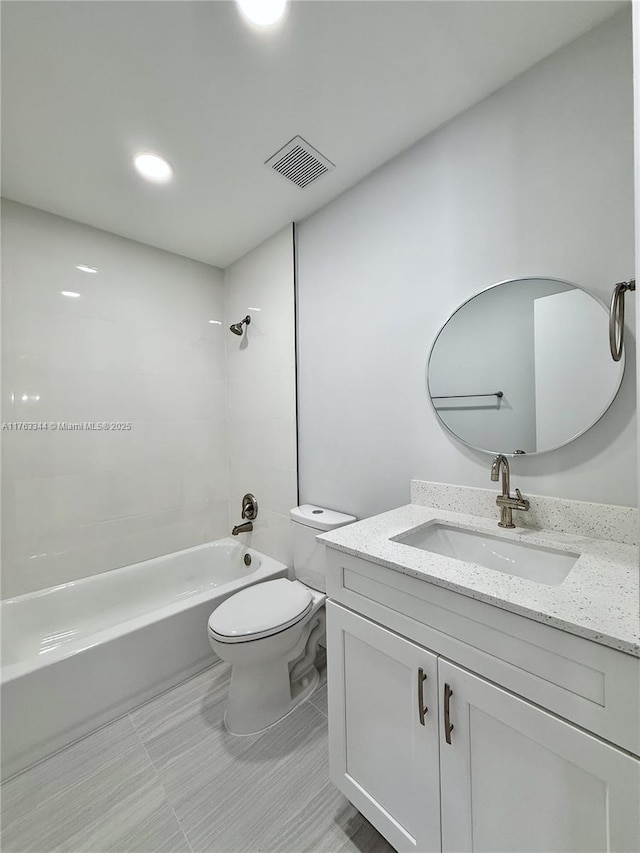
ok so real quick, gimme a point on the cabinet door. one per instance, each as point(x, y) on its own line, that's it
point(515, 778)
point(383, 751)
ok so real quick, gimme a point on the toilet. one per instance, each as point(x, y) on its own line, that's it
point(270, 632)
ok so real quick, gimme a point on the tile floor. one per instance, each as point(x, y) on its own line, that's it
point(169, 777)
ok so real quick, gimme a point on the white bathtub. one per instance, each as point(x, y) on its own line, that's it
point(81, 654)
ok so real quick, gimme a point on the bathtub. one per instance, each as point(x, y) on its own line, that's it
point(78, 655)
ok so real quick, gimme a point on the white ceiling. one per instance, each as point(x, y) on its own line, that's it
point(86, 84)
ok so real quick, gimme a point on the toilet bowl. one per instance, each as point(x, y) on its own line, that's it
point(270, 632)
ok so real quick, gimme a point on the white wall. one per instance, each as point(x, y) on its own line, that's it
point(261, 392)
point(136, 346)
point(534, 181)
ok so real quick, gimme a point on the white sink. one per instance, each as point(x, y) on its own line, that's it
point(533, 562)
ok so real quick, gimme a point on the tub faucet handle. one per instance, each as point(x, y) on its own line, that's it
point(249, 506)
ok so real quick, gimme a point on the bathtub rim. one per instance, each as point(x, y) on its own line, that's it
point(265, 571)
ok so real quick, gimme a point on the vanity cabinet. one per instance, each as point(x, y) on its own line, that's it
point(516, 778)
point(438, 758)
point(384, 728)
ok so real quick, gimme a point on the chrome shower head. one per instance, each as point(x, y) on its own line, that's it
point(236, 328)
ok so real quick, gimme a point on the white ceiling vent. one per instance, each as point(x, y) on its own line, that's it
point(300, 162)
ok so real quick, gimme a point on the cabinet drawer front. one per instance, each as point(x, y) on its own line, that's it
point(589, 684)
point(383, 729)
point(515, 778)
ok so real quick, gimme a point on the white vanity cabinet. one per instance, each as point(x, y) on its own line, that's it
point(516, 778)
point(454, 761)
point(384, 729)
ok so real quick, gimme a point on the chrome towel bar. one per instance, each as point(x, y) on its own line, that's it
point(498, 394)
point(616, 317)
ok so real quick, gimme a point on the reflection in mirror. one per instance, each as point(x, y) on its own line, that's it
point(523, 367)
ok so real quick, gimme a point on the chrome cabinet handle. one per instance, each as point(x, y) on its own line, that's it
point(422, 708)
point(448, 725)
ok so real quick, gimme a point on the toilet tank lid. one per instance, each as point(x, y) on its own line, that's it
point(320, 518)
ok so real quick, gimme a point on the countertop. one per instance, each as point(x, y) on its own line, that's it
point(599, 599)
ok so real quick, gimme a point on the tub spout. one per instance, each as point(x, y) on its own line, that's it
point(245, 527)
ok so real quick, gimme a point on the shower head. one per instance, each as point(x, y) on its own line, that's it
point(236, 328)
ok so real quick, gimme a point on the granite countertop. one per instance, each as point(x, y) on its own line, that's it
point(598, 599)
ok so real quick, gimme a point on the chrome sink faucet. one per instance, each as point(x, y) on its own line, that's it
point(505, 501)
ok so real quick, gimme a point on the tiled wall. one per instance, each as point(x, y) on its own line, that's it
point(261, 391)
point(135, 345)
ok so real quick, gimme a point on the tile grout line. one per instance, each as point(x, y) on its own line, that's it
point(317, 708)
point(125, 715)
point(64, 788)
point(161, 783)
point(314, 707)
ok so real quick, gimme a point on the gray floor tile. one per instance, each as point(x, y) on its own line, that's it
point(170, 779)
point(141, 829)
point(229, 802)
point(121, 806)
point(175, 705)
point(69, 767)
point(319, 698)
point(326, 824)
point(187, 729)
point(361, 836)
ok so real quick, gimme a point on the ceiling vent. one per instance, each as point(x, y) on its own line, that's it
point(299, 162)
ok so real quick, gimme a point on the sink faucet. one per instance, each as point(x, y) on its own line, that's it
point(505, 501)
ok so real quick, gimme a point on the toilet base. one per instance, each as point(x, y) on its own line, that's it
point(272, 675)
point(278, 697)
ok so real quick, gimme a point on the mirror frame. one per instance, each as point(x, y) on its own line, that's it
point(534, 452)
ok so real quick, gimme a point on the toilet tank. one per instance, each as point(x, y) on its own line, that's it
point(308, 555)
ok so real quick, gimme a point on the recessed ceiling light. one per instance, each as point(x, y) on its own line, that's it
point(70, 294)
point(85, 268)
point(153, 167)
point(263, 12)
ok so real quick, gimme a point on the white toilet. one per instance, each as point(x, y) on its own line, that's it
point(269, 632)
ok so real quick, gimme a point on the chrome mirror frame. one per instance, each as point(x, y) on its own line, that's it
point(508, 454)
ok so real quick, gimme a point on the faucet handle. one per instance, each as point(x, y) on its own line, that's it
point(524, 503)
point(249, 506)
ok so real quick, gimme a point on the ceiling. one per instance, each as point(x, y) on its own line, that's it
point(86, 84)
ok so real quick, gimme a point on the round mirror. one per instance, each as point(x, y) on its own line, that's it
point(524, 367)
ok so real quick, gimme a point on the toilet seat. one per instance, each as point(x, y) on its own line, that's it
point(260, 611)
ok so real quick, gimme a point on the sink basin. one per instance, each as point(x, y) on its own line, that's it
point(533, 562)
